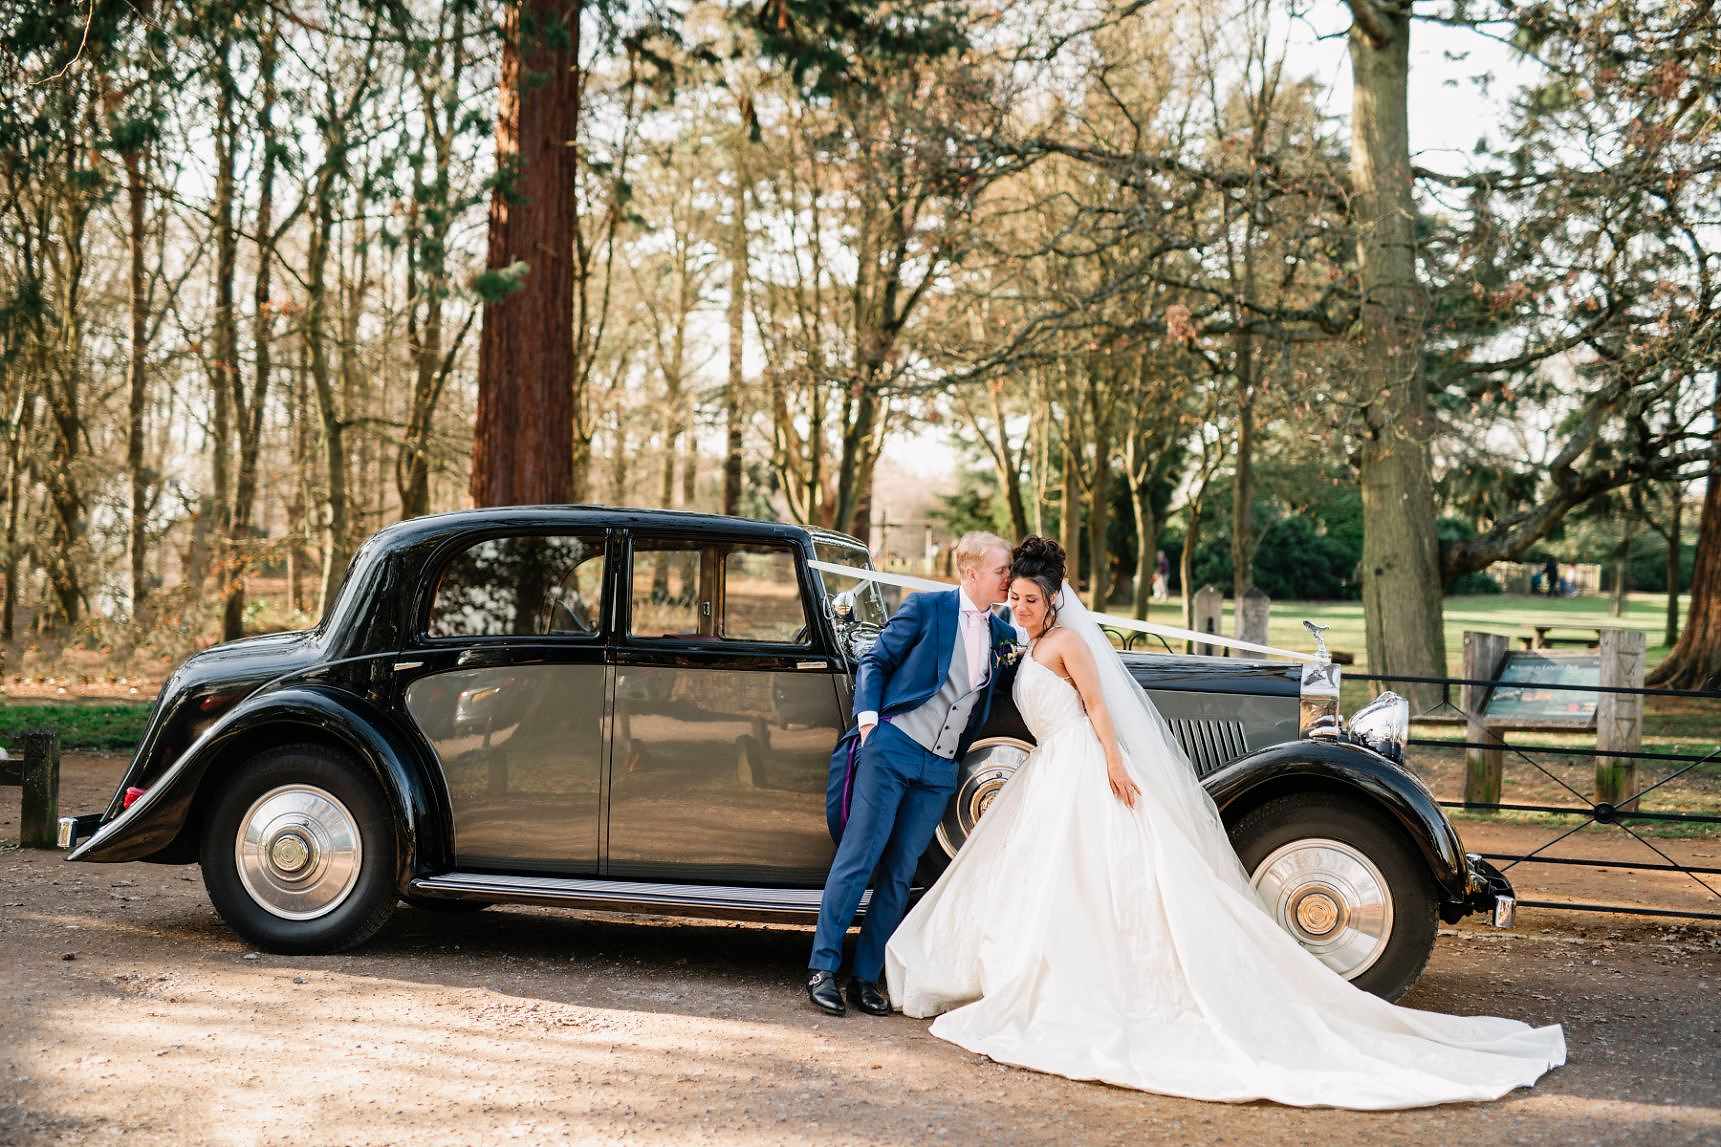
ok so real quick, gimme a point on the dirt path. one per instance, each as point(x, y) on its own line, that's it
point(545, 1027)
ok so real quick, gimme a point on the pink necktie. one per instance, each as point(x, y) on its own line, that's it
point(974, 633)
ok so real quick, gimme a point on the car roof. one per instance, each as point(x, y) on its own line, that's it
point(454, 521)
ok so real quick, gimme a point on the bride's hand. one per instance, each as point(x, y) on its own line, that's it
point(1122, 786)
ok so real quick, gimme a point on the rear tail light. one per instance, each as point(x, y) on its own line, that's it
point(131, 795)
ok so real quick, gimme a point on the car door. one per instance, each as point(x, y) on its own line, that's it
point(508, 683)
point(726, 712)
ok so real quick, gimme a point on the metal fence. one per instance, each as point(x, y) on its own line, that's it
point(1585, 809)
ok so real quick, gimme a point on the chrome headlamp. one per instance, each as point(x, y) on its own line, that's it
point(1383, 725)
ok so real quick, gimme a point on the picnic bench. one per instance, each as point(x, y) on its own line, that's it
point(1543, 637)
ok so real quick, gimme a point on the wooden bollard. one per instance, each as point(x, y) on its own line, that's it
point(1619, 716)
point(40, 814)
point(1484, 653)
point(1208, 602)
point(1254, 612)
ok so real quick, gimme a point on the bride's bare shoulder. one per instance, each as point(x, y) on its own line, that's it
point(1060, 641)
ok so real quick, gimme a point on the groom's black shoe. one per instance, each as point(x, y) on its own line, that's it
point(869, 997)
point(822, 989)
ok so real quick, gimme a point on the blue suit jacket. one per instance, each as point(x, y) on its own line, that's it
point(905, 667)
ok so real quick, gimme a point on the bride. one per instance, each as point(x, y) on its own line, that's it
point(1098, 925)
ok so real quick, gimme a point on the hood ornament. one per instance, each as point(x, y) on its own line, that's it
point(1319, 633)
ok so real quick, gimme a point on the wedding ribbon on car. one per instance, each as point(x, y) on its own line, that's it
point(1106, 620)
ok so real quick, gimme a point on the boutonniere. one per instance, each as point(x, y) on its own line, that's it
point(1007, 653)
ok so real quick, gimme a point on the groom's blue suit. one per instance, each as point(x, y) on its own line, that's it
point(886, 796)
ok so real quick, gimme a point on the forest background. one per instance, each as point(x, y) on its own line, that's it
point(1144, 276)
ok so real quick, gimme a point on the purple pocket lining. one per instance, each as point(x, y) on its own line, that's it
point(849, 778)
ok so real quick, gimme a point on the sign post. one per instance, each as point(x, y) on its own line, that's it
point(1483, 655)
point(1619, 716)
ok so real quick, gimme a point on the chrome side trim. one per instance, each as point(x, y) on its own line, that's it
point(722, 902)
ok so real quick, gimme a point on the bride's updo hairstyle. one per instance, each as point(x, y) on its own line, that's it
point(1041, 560)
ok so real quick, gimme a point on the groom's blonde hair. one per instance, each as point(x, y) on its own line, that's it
point(972, 546)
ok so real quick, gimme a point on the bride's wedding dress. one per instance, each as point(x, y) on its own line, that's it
point(1078, 936)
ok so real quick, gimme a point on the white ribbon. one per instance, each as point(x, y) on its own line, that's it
point(905, 581)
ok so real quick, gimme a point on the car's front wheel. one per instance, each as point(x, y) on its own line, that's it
point(1346, 884)
point(298, 852)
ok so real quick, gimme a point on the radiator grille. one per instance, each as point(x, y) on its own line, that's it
point(1211, 744)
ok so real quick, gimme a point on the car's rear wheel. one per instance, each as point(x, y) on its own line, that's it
point(980, 775)
point(298, 853)
point(1346, 884)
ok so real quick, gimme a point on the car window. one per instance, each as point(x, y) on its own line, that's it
point(716, 591)
point(669, 596)
point(761, 595)
point(530, 585)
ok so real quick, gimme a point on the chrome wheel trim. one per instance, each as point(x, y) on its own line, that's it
point(298, 852)
point(1332, 898)
point(980, 776)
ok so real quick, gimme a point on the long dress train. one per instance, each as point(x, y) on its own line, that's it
point(1077, 936)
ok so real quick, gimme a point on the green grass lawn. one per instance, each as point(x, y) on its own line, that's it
point(91, 726)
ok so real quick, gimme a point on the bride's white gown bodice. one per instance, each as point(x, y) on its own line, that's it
point(1075, 935)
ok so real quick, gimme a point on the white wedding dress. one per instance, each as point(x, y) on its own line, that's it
point(1077, 936)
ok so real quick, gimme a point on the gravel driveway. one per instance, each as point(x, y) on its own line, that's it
point(130, 1012)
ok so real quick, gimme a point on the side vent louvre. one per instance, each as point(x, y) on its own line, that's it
point(1210, 744)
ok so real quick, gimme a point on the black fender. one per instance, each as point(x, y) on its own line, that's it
point(156, 822)
point(1345, 769)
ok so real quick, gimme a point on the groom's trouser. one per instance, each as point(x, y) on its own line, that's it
point(900, 792)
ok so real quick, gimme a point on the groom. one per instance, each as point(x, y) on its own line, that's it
point(920, 692)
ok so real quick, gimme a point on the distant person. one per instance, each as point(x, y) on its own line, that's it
point(1550, 576)
point(1161, 577)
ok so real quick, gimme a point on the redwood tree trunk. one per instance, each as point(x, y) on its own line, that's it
point(522, 448)
point(1695, 662)
point(1401, 562)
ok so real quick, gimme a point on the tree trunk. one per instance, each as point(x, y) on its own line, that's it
point(1243, 482)
point(733, 413)
point(1186, 564)
point(1621, 569)
point(21, 427)
point(522, 448)
point(249, 410)
point(1146, 545)
point(1099, 555)
point(1670, 636)
point(1401, 564)
point(224, 375)
point(137, 383)
point(1695, 661)
point(1070, 514)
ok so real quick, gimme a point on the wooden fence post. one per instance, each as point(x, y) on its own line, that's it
point(1253, 613)
point(1619, 716)
point(1207, 605)
point(1484, 653)
point(39, 822)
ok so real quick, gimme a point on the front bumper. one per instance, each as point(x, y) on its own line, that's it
point(74, 830)
point(1488, 891)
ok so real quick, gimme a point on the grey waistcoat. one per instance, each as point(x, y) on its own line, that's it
point(938, 722)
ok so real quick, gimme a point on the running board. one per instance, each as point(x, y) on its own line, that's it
point(711, 901)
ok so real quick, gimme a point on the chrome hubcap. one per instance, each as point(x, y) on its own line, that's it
point(298, 852)
point(983, 772)
point(1332, 898)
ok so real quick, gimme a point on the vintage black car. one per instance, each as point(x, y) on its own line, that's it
point(633, 711)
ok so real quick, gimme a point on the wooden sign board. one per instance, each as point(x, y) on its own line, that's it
point(1516, 701)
